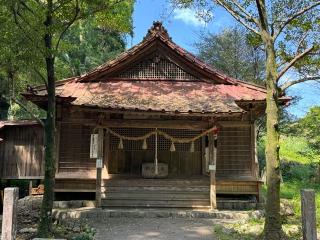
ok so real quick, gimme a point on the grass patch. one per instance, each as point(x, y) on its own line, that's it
point(297, 149)
point(291, 191)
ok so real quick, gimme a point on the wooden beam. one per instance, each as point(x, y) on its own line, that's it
point(233, 123)
point(99, 168)
point(203, 155)
point(97, 109)
point(120, 123)
point(212, 168)
point(254, 153)
point(58, 131)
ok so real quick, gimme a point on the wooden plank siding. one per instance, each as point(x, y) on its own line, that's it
point(21, 152)
point(74, 149)
point(234, 157)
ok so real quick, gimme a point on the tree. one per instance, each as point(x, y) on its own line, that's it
point(87, 46)
point(288, 31)
point(44, 24)
point(232, 52)
point(309, 127)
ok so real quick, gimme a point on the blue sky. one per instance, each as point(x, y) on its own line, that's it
point(185, 28)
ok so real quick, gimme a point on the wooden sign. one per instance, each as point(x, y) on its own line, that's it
point(94, 146)
point(99, 163)
point(212, 167)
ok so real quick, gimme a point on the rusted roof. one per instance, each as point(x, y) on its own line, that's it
point(165, 96)
point(217, 93)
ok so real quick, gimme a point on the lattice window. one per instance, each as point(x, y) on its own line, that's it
point(156, 68)
point(163, 143)
point(234, 151)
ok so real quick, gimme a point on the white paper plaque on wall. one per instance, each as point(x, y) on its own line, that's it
point(212, 167)
point(99, 163)
point(94, 146)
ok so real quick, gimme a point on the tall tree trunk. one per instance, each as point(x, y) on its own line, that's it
point(45, 224)
point(272, 227)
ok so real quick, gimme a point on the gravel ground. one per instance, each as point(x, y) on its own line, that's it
point(155, 228)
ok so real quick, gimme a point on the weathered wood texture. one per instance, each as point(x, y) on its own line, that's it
point(75, 148)
point(234, 159)
point(181, 162)
point(9, 220)
point(98, 167)
point(21, 152)
point(191, 193)
point(308, 214)
point(212, 165)
point(224, 187)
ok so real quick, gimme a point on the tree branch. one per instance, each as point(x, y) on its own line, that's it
point(237, 16)
point(44, 80)
point(293, 61)
point(286, 85)
point(294, 16)
point(249, 17)
point(77, 10)
point(25, 109)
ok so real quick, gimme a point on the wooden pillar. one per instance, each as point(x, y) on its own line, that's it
point(254, 152)
point(9, 220)
point(30, 188)
point(203, 156)
point(58, 129)
point(99, 165)
point(308, 214)
point(106, 153)
point(212, 168)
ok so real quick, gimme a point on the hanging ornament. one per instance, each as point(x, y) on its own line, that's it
point(192, 147)
point(120, 146)
point(144, 144)
point(172, 147)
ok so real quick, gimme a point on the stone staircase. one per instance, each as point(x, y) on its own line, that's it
point(156, 193)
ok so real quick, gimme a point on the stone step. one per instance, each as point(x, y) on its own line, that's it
point(155, 182)
point(192, 203)
point(105, 213)
point(155, 188)
point(161, 195)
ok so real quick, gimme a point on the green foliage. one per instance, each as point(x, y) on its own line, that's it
point(297, 149)
point(291, 190)
point(86, 46)
point(310, 128)
point(232, 52)
point(96, 36)
point(87, 233)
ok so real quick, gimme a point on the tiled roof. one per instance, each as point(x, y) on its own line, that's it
point(216, 94)
point(166, 96)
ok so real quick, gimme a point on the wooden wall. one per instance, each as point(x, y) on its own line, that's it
point(21, 152)
point(234, 157)
point(74, 148)
point(181, 162)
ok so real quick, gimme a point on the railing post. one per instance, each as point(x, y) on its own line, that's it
point(308, 214)
point(9, 221)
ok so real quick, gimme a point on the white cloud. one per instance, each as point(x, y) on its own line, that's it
point(188, 16)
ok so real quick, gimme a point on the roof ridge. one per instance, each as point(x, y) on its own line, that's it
point(252, 85)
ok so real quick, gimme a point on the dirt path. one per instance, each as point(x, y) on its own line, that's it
point(155, 229)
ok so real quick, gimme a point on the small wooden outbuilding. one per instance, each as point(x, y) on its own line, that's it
point(173, 131)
